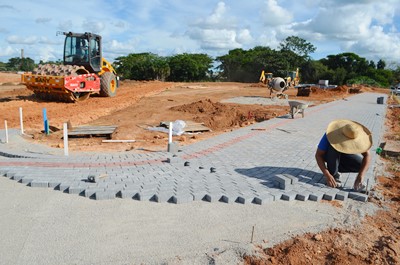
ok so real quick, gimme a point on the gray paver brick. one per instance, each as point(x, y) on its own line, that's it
point(316, 196)
point(303, 195)
point(39, 183)
point(283, 181)
point(104, 195)
point(358, 196)
point(289, 196)
point(342, 196)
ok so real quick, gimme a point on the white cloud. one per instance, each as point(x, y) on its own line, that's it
point(369, 28)
point(93, 26)
point(275, 15)
point(20, 40)
point(43, 20)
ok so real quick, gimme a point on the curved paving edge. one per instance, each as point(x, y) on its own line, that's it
point(244, 166)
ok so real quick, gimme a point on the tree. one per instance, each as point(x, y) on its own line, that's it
point(142, 66)
point(189, 67)
point(298, 46)
point(381, 64)
point(18, 64)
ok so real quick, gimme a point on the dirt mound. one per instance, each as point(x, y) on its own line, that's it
point(339, 89)
point(219, 116)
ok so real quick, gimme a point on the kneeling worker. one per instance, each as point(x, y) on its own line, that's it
point(344, 148)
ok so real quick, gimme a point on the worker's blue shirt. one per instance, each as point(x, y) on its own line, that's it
point(324, 143)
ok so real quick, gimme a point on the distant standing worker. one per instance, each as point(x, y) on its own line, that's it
point(344, 148)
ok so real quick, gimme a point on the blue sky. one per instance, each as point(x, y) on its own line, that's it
point(369, 28)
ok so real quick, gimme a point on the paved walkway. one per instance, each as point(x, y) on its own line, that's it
point(245, 166)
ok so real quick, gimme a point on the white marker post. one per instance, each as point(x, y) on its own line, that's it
point(170, 133)
point(65, 127)
point(170, 147)
point(21, 120)
point(5, 126)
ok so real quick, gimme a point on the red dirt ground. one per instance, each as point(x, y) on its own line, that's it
point(139, 105)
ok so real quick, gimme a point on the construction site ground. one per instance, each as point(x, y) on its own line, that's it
point(75, 228)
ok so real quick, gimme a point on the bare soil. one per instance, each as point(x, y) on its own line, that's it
point(139, 105)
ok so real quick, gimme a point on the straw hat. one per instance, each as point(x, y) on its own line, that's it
point(349, 137)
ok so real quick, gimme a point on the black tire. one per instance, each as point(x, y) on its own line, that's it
point(108, 85)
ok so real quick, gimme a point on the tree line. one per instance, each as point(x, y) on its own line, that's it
point(241, 65)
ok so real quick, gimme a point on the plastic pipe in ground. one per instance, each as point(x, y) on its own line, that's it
point(21, 120)
point(65, 129)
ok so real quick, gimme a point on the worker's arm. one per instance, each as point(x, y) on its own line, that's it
point(319, 156)
point(364, 166)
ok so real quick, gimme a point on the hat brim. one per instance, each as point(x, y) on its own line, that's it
point(341, 143)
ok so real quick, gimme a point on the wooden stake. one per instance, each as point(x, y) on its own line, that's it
point(5, 126)
point(252, 234)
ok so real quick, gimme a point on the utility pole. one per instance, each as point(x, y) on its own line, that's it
point(22, 59)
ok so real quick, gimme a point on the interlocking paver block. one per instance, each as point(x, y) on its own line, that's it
point(39, 183)
point(358, 196)
point(213, 197)
point(289, 196)
point(199, 195)
point(245, 198)
point(316, 196)
point(75, 189)
point(283, 181)
point(90, 192)
point(128, 194)
point(145, 196)
point(303, 195)
point(163, 196)
point(263, 198)
point(292, 178)
point(104, 195)
point(342, 196)
point(182, 198)
point(26, 180)
point(330, 195)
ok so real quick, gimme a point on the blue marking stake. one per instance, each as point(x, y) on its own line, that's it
point(46, 122)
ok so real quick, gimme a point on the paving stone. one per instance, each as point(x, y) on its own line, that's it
point(292, 178)
point(303, 195)
point(39, 184)
point(342, 196)
point(245, 198)
point(163, 196)
point(90, 192)
point(289, 196)
point(26, 180)
point(182, 198)
point(128, 194)
point(54, 184)
point(358, 196)
point(316, 196)
point(199, 195)
point(283, 181)
point(213, 197)
point(143, 196)
point(263, 198)
point(329, 196)
point(75, 189)
point(104, 195)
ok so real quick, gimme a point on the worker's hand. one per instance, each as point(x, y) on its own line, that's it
point(330, 180)
point(358, 183)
